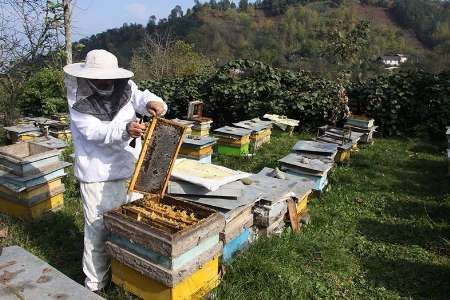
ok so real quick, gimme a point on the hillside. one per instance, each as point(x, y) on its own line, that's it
point(295, 36)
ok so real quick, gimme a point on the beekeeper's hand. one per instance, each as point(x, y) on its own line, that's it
point(135, 129)
point(155, 108)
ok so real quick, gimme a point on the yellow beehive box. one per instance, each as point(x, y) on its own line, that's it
point(46, 188)
point(195, 286)
point(26, 212)
point(203, 132)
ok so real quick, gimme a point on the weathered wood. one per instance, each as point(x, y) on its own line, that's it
point(265, 215)
point(233, 227)
point(165, 242)
point(165, 276)
point(293, 216)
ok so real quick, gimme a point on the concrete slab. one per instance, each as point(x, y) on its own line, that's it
point(24, 276)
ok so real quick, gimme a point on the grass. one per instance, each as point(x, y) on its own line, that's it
point(380, 231)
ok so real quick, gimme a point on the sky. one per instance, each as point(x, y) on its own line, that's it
point(94, 16)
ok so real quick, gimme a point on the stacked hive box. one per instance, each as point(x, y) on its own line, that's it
point(300, 193)
point(312, 160)
point(163, 247)
point(55, 128)
point(233, 141)
point(186, 123)
point(260, 134)
point(201, 127)
point(22, 132)
point(345, 138)
point(234, 201)
point(198, 148)
point(30, 180)
point(364, 125)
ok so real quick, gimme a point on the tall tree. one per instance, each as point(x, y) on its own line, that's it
point(67, 10)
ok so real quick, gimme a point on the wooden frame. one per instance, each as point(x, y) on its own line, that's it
point(147, 140)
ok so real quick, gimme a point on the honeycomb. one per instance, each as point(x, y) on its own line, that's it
point(161, 151)
point(160, 215)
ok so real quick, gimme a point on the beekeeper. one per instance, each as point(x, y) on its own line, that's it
point(103, 102)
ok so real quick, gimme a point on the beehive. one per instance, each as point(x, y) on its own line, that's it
point(27, 158)
point(233, 141)
point(162, 240)
point(22, 133)
point(198, 148)
point(260, 134)
point(195, 286)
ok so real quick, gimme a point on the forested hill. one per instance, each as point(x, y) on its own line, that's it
point(294, 33)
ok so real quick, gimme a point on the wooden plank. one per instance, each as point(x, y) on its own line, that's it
point(293, 216)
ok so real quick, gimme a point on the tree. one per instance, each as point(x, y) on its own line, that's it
point(161, 56)
point(243, 5)
point(176, 13)
point(30, 37)
point(67, 10)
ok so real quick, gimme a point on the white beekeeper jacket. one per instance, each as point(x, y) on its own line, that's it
point(102, 151)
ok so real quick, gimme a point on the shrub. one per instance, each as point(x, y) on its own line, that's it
point(405, 103)
point(43, 93)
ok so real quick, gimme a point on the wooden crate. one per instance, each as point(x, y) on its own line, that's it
point(195, 286)
point(25, 212)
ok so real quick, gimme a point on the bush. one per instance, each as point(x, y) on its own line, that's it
point(43, 93)
point(405, 103)
point(244, 89)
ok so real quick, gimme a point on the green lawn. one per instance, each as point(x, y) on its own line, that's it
point(380, 231)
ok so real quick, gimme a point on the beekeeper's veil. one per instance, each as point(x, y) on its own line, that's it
point(85, 97)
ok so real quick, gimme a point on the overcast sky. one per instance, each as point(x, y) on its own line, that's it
point(94, 16)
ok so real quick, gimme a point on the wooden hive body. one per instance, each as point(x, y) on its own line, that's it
point(151, 236)
point(27, 158)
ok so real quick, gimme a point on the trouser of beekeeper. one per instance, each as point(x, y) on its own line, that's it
point(98, 198)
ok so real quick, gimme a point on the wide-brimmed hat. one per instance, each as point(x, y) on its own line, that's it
point(99, 64)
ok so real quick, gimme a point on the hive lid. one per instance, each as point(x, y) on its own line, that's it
point(162, 142)
point(251, 125)
point(199, 141)
point(241, 132)
point(315, 147)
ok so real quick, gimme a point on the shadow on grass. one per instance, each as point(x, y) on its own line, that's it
point(408, 279)
point(412, 176)
point(427, 237)
point(413, 209)
point(58, 240)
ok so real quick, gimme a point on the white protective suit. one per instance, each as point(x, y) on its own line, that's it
point(103, 162)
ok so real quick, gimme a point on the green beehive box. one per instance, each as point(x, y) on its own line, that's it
point(242, 150)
